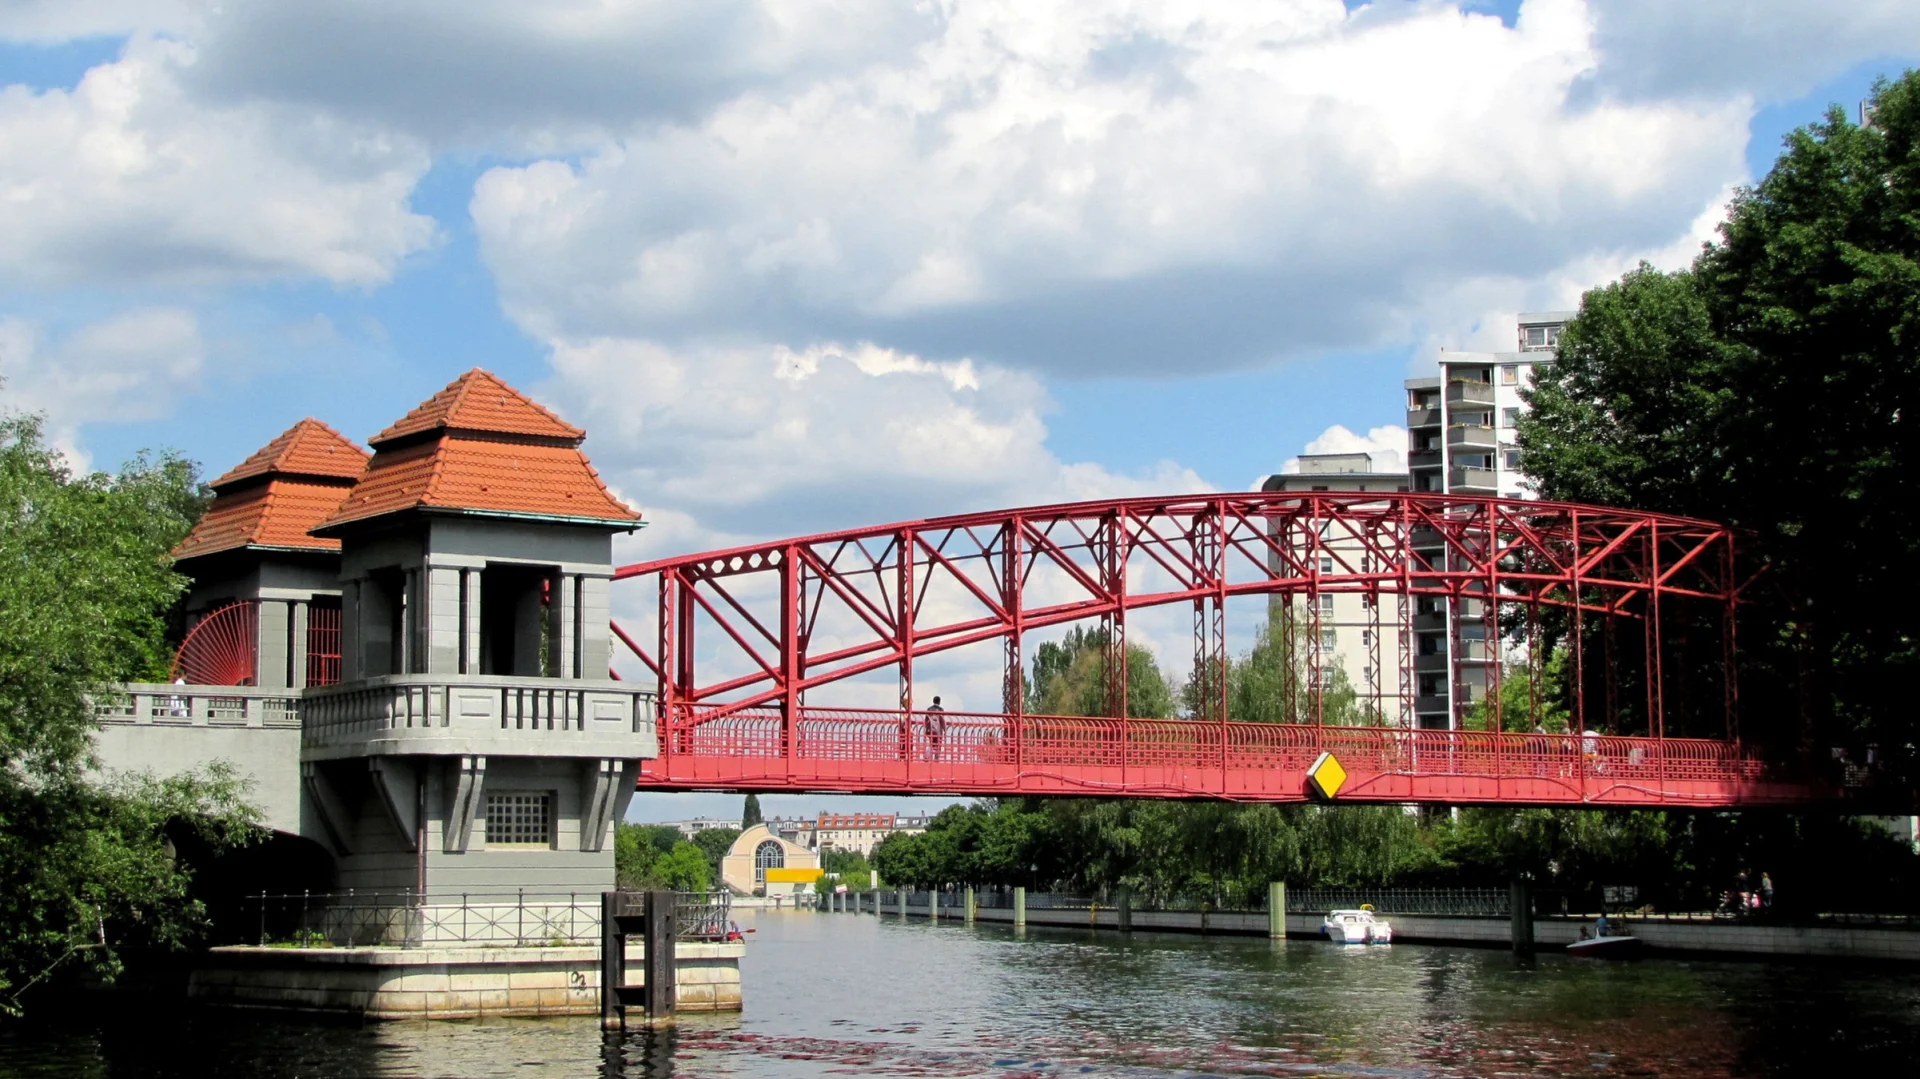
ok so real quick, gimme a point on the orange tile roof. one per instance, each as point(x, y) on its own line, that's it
point(308, 448)
point(483, 475)
point(275, 496)
point(478, 401)
point(277, 513)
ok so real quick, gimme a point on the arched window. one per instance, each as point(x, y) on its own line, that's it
point(768, 855)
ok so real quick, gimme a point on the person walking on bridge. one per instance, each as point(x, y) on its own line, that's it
point(936, 728)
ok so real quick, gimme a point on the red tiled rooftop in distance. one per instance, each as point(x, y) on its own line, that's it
point(308, 448)
point(478, 401)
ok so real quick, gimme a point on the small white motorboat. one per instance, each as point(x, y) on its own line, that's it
point(1355, 927)
point(1605, 943)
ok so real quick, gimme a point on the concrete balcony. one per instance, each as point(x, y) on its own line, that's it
point(1471, 481)
point(1472, 436)
point(1463, 392)
point(476, 715)
point(1429, 622)
point(1423, 459)
point(1423, 417)
point(1427, 664)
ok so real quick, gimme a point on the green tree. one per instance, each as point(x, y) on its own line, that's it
point(85, 586)
point(714, 843)
point(750, 813)
point(684, 869)
point(1070, 679)
point(639, 851)
point(1774, 386)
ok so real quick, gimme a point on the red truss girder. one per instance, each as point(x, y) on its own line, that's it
point(745, 635)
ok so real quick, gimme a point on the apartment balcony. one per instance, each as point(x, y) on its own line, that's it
point(1422, 538)
point(1423, 459)
point(1472, 436)
point(1423, 417)
point(1431, 706)
point(1429, 664)
point(1432, 622)
point(1471, 481)
point(1465, 392)
point(478, 715)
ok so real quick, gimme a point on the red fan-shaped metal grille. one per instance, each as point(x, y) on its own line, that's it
point(219, 651)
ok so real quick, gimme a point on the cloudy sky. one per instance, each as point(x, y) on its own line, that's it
point(800, 264)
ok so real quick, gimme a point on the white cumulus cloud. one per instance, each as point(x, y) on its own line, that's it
point(131, 366)
point(722, 444)
point(128, 179)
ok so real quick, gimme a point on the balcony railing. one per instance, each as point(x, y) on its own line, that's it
point(480, 715)
point(200, 706)
point(1423, 417)
point(1473, 436)
point(1471, 480)
point(1467, 392)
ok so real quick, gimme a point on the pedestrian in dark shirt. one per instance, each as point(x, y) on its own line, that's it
point(1766, 891)
point(936, 728)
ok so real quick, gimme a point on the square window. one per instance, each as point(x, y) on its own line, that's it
point(1513, 459)
point(1326, 563)
point(1536, 337)
point(1510, 417)
point(1326, 604)
point(1366, 637)
point(520, 819)
point(1509, 374)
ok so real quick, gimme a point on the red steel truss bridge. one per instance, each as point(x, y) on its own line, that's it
point(791, 665)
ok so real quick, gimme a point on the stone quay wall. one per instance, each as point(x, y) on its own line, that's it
point(1677, 936)
point(451, 982)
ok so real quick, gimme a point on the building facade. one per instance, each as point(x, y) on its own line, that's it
point(855, 832)
point(1461, 439)
point(1347, 632)
point(407, 653)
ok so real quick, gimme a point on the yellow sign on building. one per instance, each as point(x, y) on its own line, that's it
point(1326, 777)
point(793, 876)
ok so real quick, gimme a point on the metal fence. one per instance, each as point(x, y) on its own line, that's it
point(468, 919)
point(1484, 902)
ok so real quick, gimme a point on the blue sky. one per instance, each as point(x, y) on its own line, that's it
point(1104, 251)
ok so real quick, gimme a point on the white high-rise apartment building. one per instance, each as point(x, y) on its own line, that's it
point(1346, 626)
point(1460, 440)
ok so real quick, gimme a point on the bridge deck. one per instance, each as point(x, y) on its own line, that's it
point(994, 755)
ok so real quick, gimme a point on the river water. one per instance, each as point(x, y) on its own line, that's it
point(840, 994)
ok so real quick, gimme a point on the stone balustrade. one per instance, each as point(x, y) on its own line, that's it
point(199, 706)
point(441, 714)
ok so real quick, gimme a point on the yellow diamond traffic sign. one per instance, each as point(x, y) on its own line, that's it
point(1326, 777)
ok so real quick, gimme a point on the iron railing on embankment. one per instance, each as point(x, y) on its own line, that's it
point(467, 919)
point(1437, 902)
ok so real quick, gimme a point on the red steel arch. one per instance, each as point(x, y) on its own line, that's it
point(747, 642)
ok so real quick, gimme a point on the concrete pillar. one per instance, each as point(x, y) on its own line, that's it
point(566, 635)
point(1020, 907)
point(297, 661)
point(933, 905)
point(971, 906)
point(903, 902)
point(874, 894)
point(270, 651)
point(1520, 898)
point(441, 617)
point(1277, 910)
point(470, 617)
point(1124, 915)
point(596, 639)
